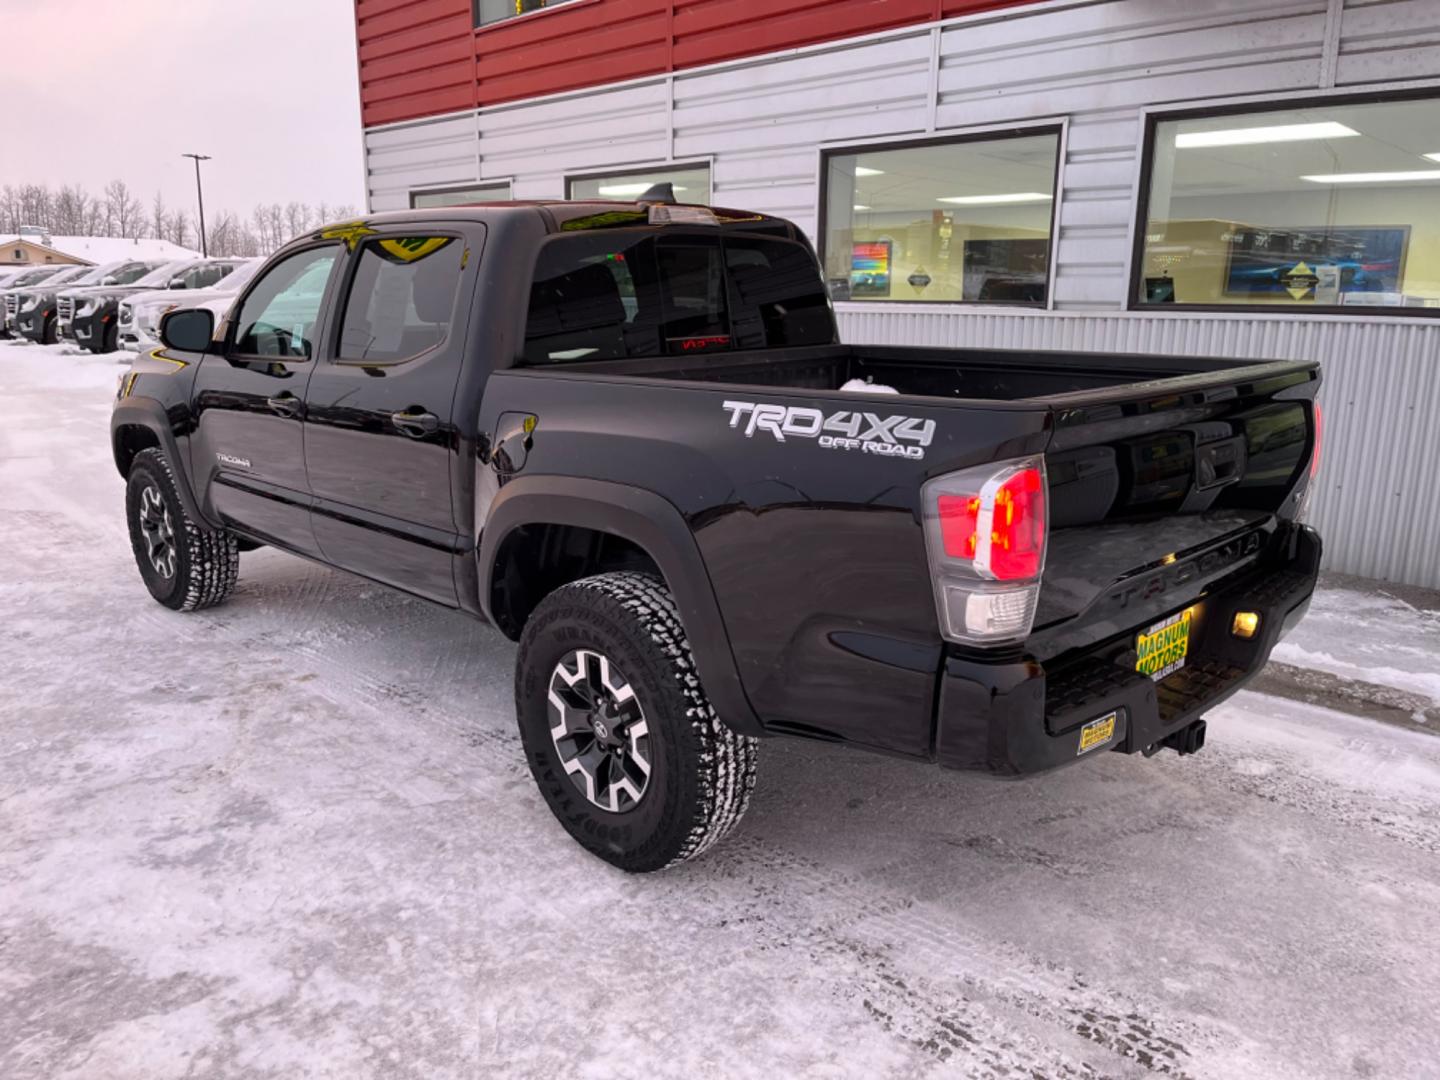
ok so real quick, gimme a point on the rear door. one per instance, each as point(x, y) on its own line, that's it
point(381, 442)
point(248, 450)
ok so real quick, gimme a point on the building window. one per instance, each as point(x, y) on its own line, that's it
point(494, 11)
point(459, 196)
point(958, 221)
point(1329, 206)
point(690, 183)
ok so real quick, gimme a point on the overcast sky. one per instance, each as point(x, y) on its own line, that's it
point(95, 90)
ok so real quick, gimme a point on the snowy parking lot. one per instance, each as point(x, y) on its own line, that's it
point(295, 836)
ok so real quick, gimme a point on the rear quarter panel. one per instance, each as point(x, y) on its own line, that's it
point(815, 554)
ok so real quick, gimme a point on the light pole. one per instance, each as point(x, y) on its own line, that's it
point(200, 194)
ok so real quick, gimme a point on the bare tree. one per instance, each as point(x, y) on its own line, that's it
point(70, 208)
point(37, 206)
point(297, 219)
point(9, 209)
point(124, 209)
point(177, 228)
point(158, 219)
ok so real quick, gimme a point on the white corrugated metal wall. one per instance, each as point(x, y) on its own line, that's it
point(1099, 64)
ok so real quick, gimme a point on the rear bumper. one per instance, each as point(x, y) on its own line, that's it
point(1013, 717)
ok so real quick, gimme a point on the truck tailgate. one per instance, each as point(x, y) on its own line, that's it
point(1158, 489)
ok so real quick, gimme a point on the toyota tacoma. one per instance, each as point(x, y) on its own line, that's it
point(628, 436)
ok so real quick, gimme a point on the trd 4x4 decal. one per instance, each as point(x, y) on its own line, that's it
point(889, 436)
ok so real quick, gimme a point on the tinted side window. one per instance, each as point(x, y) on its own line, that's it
point(619, 294)
point(778, 296)
point(402, 298)
point(278, 316)
point(202, 277)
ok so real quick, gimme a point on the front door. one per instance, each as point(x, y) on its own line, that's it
point(380, 437)
point(248, 449)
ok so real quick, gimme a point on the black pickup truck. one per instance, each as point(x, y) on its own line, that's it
point(628, 436)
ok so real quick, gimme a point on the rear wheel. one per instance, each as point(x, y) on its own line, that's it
point(186, 565)
point(624, 745)
point(109, 339)
point(49, 332)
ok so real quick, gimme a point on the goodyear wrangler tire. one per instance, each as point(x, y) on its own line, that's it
point(185, 565)
point(624, 745)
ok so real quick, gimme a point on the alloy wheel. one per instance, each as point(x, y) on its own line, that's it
point(159, 532)
point(599, 730)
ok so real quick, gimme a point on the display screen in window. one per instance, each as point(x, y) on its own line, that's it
point(962, 221)
point(1334, 207)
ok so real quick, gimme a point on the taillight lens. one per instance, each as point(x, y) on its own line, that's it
point(985, 534)
point(1315, 453)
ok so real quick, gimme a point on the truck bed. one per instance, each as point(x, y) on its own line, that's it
point(992, 375)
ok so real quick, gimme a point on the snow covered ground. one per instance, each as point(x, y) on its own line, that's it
point(295, 837)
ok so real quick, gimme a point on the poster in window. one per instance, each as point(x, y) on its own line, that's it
point(1292, 261)
point(870, 269)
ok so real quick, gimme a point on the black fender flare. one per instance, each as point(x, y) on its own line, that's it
point(652, 523)
point(150, 414)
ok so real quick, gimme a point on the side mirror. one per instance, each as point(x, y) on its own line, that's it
point(189, 330)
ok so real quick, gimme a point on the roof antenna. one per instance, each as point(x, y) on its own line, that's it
point(662, 193)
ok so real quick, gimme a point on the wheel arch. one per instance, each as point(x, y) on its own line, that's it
point(141, 424)
point(639, 521)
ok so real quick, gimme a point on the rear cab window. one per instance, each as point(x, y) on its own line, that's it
point(611, 295)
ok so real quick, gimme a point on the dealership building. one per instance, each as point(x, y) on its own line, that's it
point(1241, 178)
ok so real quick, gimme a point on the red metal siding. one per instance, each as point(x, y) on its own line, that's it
point(416, 58)
point(424, 57)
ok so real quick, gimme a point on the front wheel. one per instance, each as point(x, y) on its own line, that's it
point(185, 564)
point(624, 745)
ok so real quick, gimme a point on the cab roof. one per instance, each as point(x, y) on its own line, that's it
point(563, 215)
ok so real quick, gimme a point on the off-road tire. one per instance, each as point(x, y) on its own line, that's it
point(109, 339)
point(205, 561)
point(50, 332)
point(701, 772)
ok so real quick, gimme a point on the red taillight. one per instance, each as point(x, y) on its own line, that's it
point(1001, 528)
point(958, 514)
point(1315, 453)
point(1017, 528)
point(985, 533)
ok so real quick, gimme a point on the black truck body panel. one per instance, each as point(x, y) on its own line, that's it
point(799, 566)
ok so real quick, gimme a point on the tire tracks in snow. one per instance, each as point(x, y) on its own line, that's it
point(995, 1011)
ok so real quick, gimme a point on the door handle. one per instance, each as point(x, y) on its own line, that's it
point(284, 406)
point(416, 424)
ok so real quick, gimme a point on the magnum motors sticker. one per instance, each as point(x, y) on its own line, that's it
point(867, 432)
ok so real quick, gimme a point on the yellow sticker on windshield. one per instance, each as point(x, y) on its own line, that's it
point(352, 233)
point(413, 248)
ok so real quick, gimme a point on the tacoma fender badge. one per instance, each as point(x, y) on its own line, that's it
point(231, 459)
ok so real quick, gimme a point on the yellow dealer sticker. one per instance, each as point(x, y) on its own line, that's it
point(1161, 650)
point(1096, 733)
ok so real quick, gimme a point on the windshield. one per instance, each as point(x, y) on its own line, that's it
point(89, 275)
point(236, 279)
point(130, 273)
point(34, 277)
point(159, 278)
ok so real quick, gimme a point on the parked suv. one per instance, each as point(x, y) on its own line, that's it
point(35, 276)
point(95, 320)
point(140, 313)
point(38, 313)
point(629, 437)
point(66, 300)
